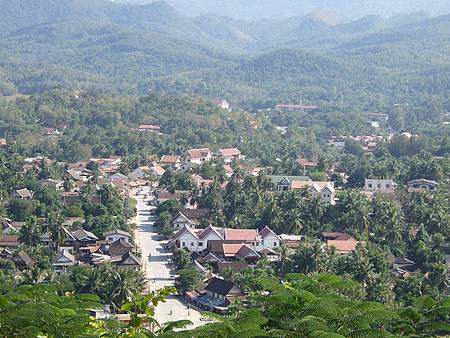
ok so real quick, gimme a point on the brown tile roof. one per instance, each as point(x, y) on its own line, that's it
point(9, 241)
point(343, 246)
point(228, 152)
point(240, 234)
point(266, 231)
point(170, 159)
point(195, 214)
point(339, 236)
point(199, 153)
point(231, 249)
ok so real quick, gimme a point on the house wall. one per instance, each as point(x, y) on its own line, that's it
point(115, 237)
point(377, 185)
point(270, 242)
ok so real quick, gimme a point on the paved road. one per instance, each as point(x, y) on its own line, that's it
point(156, 268)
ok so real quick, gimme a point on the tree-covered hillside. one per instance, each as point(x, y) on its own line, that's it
point(320, 57)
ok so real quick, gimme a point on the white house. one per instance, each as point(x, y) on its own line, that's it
point(194, 157)
point(197, 240)
point(63, 261)
point(189, 217)
point(230, 154)
point(324, 190)
point(222, 104)
point(117, 234)
point(379, 185)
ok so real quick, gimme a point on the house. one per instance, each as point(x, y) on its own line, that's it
point(324, 190)
point(138, 174)
point(83, 238)
point(379, 185)
point(195, 157)
point(9, 241)
point(230, 154)
point(307, 164)
point(223, 290)
point(117, 248)
point(268, 239)
point(343, 247)
point(250, 170)
point(228, 170)
point(24, 194)
point(338, 236)
point(283, 183)
point(201, 182)
point(71, 197)
point(157, 170)
point(173, 161)
point(189, 217)
point(235, 251)
point(291, 241)
point(22, 260)
point(297, 108)
point(404, 267)
point(63, 261)
point(129, 261)
point(149, 128)
point(221, 104)
point(164, 196)
point(197, 240)
point(51, 131)
point(422, 185)
point(117, 234)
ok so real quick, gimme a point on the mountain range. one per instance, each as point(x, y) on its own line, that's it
point(318, 56)
point(252, 10)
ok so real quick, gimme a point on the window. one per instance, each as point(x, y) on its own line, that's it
point(183, 244)
point(370, 185)
point(275, 243)
point(192, 243)
point(388, 186)
point(200, 244)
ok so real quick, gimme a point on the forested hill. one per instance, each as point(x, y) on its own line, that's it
point(260, 9)
point(129, 49)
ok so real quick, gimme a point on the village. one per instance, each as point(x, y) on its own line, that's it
point(153, 248)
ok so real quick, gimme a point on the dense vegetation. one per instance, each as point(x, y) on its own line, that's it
point(373, 63)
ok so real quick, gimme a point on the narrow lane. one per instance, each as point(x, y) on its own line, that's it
point(156, 268)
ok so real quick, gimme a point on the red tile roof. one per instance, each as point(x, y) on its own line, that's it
point(199, 153)
point(229, 152)
point(170, 159)
point(239, 234)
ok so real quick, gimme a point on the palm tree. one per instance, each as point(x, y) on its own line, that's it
point(283, 250)
point(54, 226)
point(31, 231)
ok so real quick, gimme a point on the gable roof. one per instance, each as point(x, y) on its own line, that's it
point(222, 287)
point(266, 231)
point(423, 181)
point(82, 234)
point(183, 230)
point(199, 153)
point(277, 179)
point(25, 258)
point(229, 152)
point(240, 234)
point(170, 159)
point(116, 232)
point(129, 256)
point(343, 246)
point(339, 236)
point(194, 214)
point(24, 193)
point(208, 230)
point(8, 241)
point(66, 255)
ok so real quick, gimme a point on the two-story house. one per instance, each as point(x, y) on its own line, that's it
point(195, 157)
point(230, 154)
point(117, 234)
point(379, 185)
point(324, 190)
point(189, 217)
